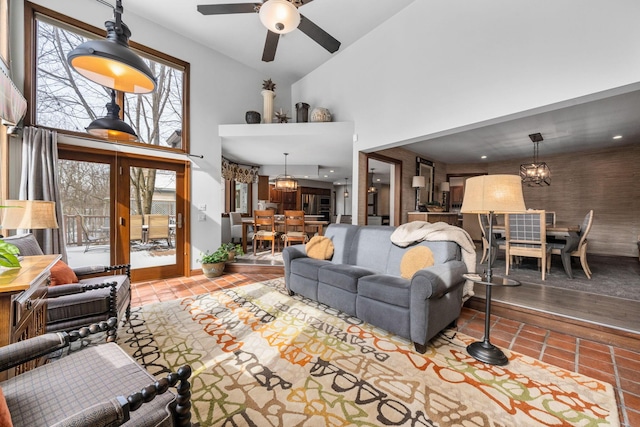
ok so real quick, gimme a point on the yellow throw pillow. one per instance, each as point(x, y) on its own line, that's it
point(319, 247)
point(415, 259)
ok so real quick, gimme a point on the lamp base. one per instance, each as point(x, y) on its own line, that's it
point(488, 353)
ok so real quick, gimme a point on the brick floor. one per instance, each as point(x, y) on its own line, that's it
point(618, 366)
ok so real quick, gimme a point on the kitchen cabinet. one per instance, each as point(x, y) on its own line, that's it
point(23, 305)
point(275, 196)
point(263, 187)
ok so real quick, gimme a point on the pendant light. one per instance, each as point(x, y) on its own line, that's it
point(111, 127)
point(535, 173)
point(286, 182)
point(279, 16)
point(372, 188)
point(110, 62)
point(346, 188)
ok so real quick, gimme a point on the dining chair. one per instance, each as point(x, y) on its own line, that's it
point(294, 228)
point(498, 241)
point(527, 237)
point(157, 227)
point(93, 235)
point(235, 219)
point(264, 229)
point(581, 251)
point(136, 232)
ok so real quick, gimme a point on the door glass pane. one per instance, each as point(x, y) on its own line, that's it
point(152, 220)
point(86, 214)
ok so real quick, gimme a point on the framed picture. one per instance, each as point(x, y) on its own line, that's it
point(425, 168)
point(4, 33)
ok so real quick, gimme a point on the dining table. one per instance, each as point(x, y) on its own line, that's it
point(568, 232)
point(314, 226)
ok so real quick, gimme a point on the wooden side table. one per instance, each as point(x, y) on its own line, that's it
point(483, 350)
point(23, 304)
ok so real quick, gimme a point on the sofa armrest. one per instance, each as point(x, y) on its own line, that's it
point(60, 290)
point(112, 412)
point(91, 270)
point(23, 351)
point(437, 280)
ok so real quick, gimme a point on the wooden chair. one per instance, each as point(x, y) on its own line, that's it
point(136, 232)
point(294, 228)
point(264, 229)
point(498, 242)
point(527, 237)
point(157, 228)
point(581, 251)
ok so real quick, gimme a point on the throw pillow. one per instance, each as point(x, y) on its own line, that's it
point(62, 274)
point(415, 259)
point(5, 416)
point(319, 247)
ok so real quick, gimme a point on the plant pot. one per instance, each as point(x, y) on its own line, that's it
point(213, 270)
point(232, 256)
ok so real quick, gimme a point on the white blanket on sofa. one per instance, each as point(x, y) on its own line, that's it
point(417, 231)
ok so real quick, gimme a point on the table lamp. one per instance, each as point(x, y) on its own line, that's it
point(29, 215)
point(445, 188)
point(418, 183)
point(491, 194)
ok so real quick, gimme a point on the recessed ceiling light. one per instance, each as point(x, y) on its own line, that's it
point(331, 171)
point(306, 176)
point(377, 179)
point(617, 137)
point(483, 157)
point(326, 176)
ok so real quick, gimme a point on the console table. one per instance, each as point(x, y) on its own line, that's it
point(23, 304)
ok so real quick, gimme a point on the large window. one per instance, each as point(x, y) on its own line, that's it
point(64, 100)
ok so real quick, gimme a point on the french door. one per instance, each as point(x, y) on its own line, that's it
point(121, 209)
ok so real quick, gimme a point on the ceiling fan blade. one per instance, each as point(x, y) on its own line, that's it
point(319, 35)
point(270, 45)
point(224, 9)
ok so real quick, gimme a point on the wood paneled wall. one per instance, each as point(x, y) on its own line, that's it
point(607, 181)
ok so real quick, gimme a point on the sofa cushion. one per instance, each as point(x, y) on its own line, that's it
point(383, 287)
point(370, 248)
point(68, 385)
point(415, 259)
point(26, 243)
point(343, 276)
point(62, 274)
point(319, 247)
point(307, 267)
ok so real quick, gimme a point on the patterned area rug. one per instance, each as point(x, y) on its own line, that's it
point(262, 358)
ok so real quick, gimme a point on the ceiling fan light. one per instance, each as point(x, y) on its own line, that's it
point(279, 16)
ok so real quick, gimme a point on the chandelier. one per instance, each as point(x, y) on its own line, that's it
point(286, 182)
point(372, 188)
point(536, 173)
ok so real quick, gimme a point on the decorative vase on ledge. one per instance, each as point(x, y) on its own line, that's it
point(302, 112)
point(267, 105)
point(252, 117)
point(320, 114)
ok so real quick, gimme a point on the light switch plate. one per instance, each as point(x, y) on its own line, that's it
point(202, 207)
point(202, 217)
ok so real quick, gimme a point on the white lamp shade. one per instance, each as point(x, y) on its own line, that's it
point(419, 182)
point(493, 193)
point(444, 186)
point(29, 215)
point(279, 16)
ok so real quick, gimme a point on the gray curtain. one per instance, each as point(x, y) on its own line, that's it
point(39, 181)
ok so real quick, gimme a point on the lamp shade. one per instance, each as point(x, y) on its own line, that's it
point(445, 186)
point(279, 16)
point(493, 193)
point(29, 214)
point(112, 63)
point(419, 182)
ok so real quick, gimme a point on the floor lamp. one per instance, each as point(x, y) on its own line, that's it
point(491, 194)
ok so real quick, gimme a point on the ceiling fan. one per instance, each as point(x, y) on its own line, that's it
point(280, 17)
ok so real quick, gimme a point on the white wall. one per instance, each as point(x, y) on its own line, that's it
point(221, 91)
point(442, 65)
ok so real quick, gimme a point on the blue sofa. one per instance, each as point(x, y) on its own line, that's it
point(363, 279)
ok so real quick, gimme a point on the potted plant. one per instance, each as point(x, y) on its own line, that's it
point(213, 263)
point(233, 249)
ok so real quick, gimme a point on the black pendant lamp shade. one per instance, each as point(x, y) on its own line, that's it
point(110, 126)
point(110, 62)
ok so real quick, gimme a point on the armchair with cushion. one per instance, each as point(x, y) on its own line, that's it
point(97, 385)
point(81, 296)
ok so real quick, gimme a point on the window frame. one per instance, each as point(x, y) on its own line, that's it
point(31, 11)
